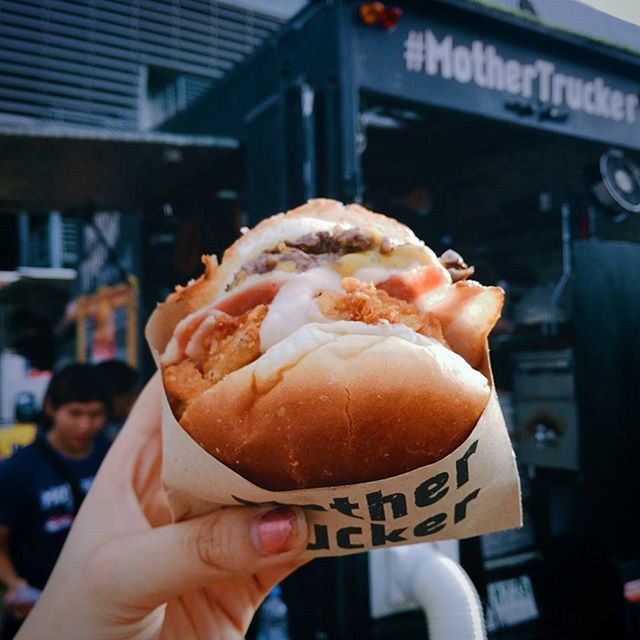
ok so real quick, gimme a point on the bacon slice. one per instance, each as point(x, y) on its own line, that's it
point(260, 293)
point(410, 286)
point(466, 310)
point(191, 332)
point(174, 351)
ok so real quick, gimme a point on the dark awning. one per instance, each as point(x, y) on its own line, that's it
point(49, 168)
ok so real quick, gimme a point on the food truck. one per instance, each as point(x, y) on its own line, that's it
point(516, 143)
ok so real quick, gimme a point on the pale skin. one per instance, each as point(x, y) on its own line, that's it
point(127, 572)
point(74, 425)
point(10, 579)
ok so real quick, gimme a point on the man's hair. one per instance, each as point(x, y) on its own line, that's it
point(117, 377)
point(75, 383)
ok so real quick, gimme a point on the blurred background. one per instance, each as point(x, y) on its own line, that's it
point(137, 135)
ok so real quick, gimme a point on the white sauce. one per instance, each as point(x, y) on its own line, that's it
point(294, 305)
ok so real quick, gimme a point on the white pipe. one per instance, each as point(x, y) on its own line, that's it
point(445, 593)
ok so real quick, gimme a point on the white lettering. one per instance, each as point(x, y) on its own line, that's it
point(438, 55)
point(513, 77)
point(545, 71)
point(631, 104)
point(589, 104)
point(462, 65)
point(481, 65)
point(414, 51)
point(530, 73)
point(574, 93)
point(602, 98)
point(557, 88)
point(617, 105)
point(477, 52)
point(495, 69)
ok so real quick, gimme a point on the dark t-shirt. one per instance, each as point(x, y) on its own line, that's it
point(36, 503)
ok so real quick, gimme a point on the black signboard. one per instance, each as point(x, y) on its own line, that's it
point(443, 64)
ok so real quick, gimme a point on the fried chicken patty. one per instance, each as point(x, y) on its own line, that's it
point(231, 343)
point(363, 302)
point(228, 343)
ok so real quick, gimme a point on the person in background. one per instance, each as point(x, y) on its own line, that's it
point(121, 384)
point(43, 484)
point(129, 571)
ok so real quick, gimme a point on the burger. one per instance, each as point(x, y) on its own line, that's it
point(331, 346)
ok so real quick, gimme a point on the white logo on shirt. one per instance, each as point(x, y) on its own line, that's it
point(58, 523)
point(60, 495)
point(56, 496)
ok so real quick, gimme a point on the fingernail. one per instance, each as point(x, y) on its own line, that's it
point(272, 531)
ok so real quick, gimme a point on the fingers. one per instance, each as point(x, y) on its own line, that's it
point(145, 569)
point(141, 428)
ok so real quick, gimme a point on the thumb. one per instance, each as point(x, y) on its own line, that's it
point(148, 568)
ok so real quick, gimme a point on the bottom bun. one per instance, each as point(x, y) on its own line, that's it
point(358, 408)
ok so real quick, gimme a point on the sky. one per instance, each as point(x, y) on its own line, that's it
point(628, 10)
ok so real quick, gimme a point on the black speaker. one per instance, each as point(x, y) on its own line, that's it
point(615, 184)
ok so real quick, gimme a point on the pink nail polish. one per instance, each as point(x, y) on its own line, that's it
point(273, 530)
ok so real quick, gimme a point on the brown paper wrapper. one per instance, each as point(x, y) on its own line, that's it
point(474, 490)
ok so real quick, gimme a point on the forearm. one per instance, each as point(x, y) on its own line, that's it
point(8, 575)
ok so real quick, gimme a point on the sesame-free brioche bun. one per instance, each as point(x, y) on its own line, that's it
point(339, 404)
point(319, 214)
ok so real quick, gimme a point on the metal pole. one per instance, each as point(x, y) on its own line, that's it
point(23, 239)
point(352, 188)
point(566, 268)
point(55, 239)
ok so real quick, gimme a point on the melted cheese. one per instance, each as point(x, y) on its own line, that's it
point(402, 258)
point(369, 266)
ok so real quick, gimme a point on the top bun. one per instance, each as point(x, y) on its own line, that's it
point(320, 214)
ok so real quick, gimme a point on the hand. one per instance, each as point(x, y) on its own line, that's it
point(127, 572)
point(20, 598)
